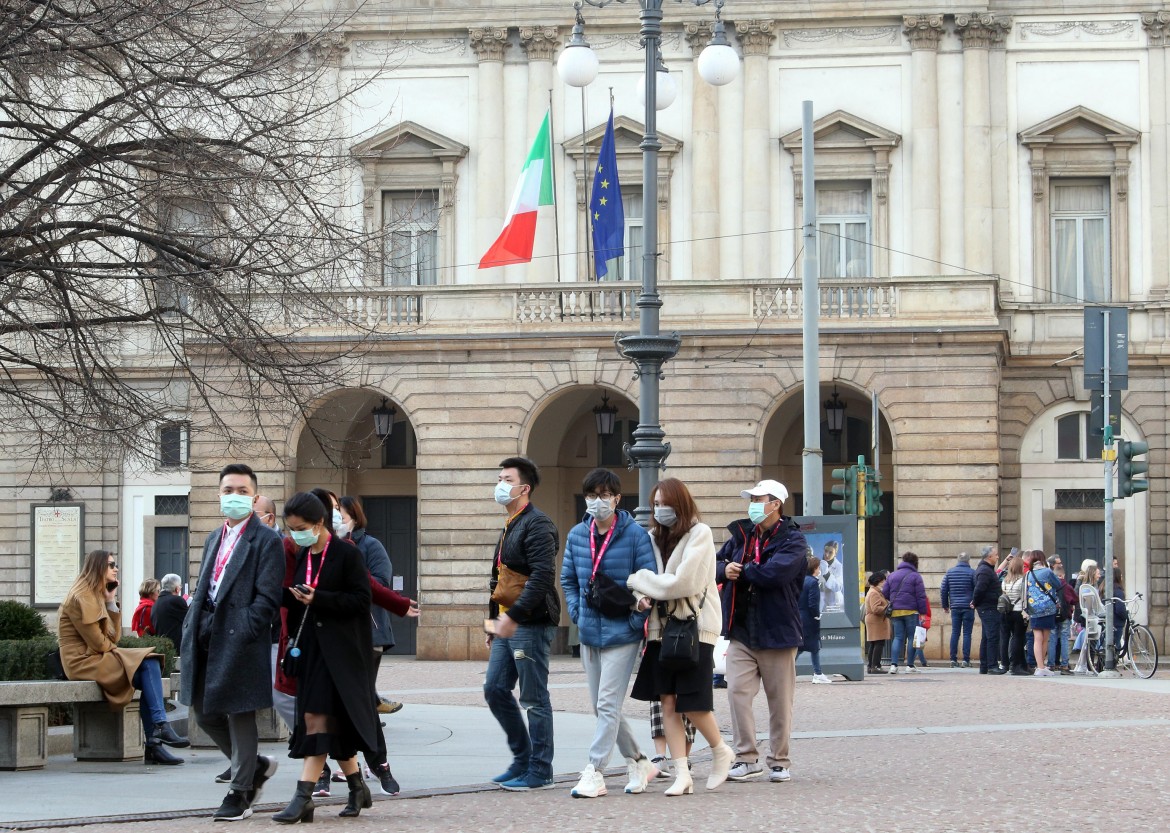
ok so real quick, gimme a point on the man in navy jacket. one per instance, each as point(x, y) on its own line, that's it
point(958, 588)
point(761, 569)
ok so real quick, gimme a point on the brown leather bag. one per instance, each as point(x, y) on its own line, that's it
point(509, 586)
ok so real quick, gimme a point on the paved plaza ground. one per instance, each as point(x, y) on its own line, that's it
point(942, 750)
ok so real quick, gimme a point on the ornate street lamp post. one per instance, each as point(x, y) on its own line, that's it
point(649, 349)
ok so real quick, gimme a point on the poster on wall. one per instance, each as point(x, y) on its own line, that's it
point(58, 540)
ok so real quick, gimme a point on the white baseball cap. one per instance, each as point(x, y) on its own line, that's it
point(766, 487)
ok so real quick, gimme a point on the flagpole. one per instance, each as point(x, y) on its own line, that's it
point(585, 185)
point(556, 214)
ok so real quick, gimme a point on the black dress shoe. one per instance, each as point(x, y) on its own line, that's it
point(999, 672)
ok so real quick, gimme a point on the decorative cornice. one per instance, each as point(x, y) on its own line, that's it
point(980, 30)
point(380, 49)
point(539, 42)
point(1076, 29)
point(489, 44)
point(698, 35)
point(1157, 26)
point(923, 30)
point(755, 36)
point(834, 36)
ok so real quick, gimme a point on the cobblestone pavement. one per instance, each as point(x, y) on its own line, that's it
point(942, 750)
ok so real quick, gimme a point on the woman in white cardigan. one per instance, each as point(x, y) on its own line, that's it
point(685, 582)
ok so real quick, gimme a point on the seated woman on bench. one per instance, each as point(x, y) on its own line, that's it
point(89, 626)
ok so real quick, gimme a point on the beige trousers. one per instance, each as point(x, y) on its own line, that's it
point(746, 670)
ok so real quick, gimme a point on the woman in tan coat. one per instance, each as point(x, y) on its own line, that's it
point(89, 625)
point(877, 624)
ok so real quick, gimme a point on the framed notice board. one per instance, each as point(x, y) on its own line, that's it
point(58, 548)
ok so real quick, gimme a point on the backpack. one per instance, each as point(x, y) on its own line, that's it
point(1064, 607)
point(1039, 598)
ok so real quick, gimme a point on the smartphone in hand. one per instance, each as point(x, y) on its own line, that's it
point(111, 586)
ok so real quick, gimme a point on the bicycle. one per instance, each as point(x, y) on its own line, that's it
point(1138, 651)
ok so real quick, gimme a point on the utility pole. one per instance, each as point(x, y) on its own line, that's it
point(812, 458)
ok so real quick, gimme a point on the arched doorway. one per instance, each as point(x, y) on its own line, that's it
point(783, 444)
point(340, 450)
point(564, 442)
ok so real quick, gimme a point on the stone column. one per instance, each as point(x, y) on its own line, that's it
point(704, 226)
point(491, 191)
point(924, 31)
point(978, 32)
point(1157, 26)
point(540, 44)
point(756, 37)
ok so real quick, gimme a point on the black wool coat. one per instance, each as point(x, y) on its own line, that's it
point(340, 617)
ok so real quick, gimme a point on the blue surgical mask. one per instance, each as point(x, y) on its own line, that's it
point(599, 507)
point(503, 493)
point(665, 515)
point(235, 506)
point(336, 518)
point(303, 537)
point(757, 512)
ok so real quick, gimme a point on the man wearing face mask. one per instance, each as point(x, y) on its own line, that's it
point(761, 569)
point(601, 553)
point(226, 638)
point(523, 614)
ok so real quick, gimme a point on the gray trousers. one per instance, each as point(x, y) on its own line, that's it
point(236, 737)
point(608, 672)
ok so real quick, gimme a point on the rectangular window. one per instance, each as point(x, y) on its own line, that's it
point(410, 225)
point(400, 449)
point(845, 226)
point(609, 449)
point(1080, 241)
point(172, 504)
point(1068, 437)
point(173, 442)
point(629, 268)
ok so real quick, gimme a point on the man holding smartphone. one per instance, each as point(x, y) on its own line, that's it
point(226, 638)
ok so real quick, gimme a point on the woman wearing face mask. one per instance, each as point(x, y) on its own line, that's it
point(331, 598)
point(685, 580)
point(601, 553)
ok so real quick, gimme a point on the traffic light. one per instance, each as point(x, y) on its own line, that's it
point(873, 498)
point(1127, 467)
point(846, 490)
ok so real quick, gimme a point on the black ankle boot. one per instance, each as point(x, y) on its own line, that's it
point(359, 795)
point(300, 809)
point(156, 753)
point(166, 733)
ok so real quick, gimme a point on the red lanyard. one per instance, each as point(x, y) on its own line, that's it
point(756, 542)
point(221, 558)
point(310, 579)
point(593, 553)
point(504, 534)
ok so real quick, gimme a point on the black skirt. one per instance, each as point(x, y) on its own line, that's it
point(692, 688)
point(317, 693)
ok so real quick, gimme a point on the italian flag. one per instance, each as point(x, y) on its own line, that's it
point(514, 245)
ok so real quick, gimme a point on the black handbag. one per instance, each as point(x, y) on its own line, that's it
point(53, 665)
point(608, 597)
point(290, 664)
point(680, 640)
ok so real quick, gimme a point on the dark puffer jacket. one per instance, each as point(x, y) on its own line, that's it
point(770, 589)
point(530, 548)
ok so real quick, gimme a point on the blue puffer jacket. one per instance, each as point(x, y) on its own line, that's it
point(905, 590)
point(770, 588)
point(629, 550)
point(958, 587)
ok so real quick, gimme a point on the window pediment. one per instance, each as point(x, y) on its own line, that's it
point(627, 139)
point(1079, 126)
point(845, 131)
point(409, 142)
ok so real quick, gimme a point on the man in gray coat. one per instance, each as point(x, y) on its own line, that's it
point(226, 644)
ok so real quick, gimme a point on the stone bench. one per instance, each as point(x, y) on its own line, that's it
point(99, 733)
point(269, 726)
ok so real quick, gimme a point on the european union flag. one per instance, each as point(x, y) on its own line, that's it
point(605, 206)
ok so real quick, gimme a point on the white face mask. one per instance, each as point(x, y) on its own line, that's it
point(665, 515)
point(336, 518)
point(342, 529)
point(600, 507)
point(503, 493)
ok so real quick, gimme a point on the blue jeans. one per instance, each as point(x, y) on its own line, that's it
point(962, 619)
point(903, 638)
point(1058, 645)
point(523, 658)
point(148, 680)
point(814, 656)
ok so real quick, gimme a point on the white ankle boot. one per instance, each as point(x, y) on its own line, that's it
point(683, 785)
point(721, 757)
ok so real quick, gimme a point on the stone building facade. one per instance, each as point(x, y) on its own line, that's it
point(981, 176)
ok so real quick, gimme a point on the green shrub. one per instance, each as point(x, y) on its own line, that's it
point(160, 644)
point(19, 621)
point(24, 659)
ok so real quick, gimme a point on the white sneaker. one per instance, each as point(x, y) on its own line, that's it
point(742, 771)
point(591, 785)
point(640, 772)
point(821, 678)
point(779, 774)
point(893, 669)
point(661, 765)
point(912, 669)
